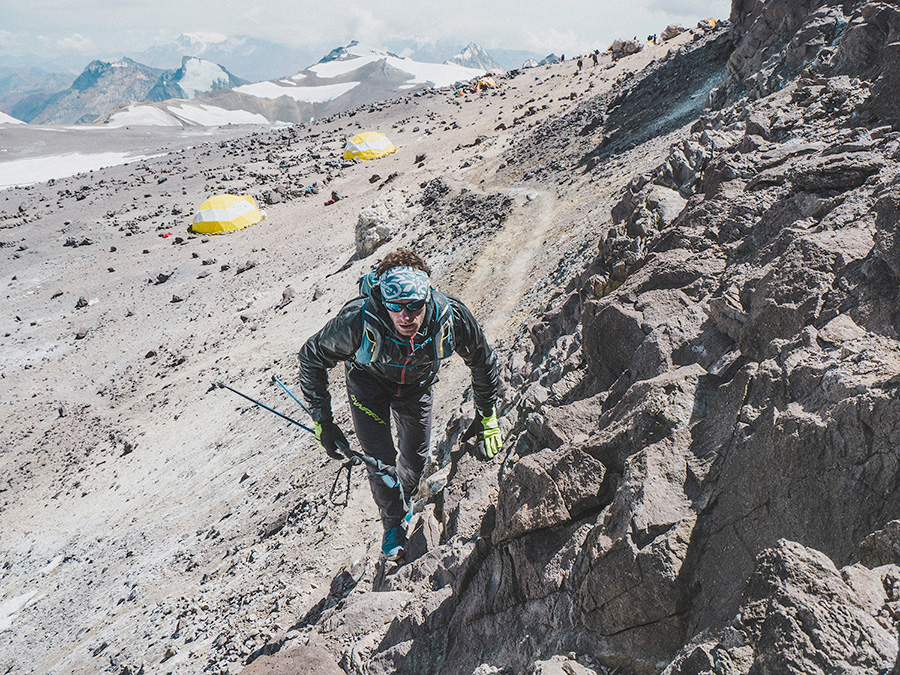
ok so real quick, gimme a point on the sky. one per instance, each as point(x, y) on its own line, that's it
point(90, 29)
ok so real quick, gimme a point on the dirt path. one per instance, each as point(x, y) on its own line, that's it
point(505, 269)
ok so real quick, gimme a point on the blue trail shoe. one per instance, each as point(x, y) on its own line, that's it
point(393, 544)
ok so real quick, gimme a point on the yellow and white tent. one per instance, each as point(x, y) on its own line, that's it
point(225, 213)
point(368, 145)
point(486, 83)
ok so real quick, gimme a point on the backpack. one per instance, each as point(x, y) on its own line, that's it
point(369, 350)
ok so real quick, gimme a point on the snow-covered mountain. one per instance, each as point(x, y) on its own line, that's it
point(474, 56)
point(105, 85)
point(193, 78)
point(100, 86)
point(344, 61)
point(444, 50)
point(7, 119)
point(346, 78)
point(249, 58)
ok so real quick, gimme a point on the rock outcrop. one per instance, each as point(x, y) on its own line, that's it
point(99, 87)
point(705, 429)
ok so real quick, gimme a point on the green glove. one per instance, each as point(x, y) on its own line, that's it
point(487, 430)
point(330, 437)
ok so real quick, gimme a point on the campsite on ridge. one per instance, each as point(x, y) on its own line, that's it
point(686, 258)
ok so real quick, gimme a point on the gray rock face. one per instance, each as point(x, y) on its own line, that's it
point(802, 615)
point(546, 489)
point(887, 230)
point(737, 353)
point(99, 87)
point(701, 471)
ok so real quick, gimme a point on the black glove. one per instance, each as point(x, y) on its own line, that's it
point(331, 438)
point(487, 430)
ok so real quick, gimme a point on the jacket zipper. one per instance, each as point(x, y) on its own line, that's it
point(412, 349)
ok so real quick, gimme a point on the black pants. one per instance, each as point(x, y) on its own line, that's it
point(372, 405)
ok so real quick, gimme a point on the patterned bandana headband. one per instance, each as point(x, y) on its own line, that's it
point(404, 283)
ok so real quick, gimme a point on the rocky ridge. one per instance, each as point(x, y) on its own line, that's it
point(193, 78)
point(741, 317)
point(700, 341)
point(100, 86)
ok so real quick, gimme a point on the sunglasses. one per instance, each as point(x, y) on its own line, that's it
point(411, 306)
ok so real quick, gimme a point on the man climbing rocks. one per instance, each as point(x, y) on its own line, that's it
point(392, 340)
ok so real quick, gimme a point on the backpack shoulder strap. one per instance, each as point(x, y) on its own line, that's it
point(367, 283)
point(370, 346)
point(444, 342)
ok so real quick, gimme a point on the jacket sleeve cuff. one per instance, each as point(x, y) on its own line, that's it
point(319, 415)
point(486, 412)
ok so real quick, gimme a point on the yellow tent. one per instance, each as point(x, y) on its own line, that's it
point(368, 145)
point(225, 213)
point(486, 82)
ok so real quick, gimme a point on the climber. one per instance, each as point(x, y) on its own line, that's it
point(392, 340)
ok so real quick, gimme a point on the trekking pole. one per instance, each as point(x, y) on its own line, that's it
point(290, 393)
point(386, 472)
point(222, 385)
point(348, 466)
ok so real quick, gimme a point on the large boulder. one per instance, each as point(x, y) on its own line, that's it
point(546, 489)
point(295, 661)
point(801, 615)
point(377, 225)
point(612, 334)
point(620, 48)
point(671, 31)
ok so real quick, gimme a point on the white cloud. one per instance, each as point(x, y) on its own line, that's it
point(15, 42)
point(75, 43)
point(362, 25)
point(254, 14)
point(547, 41)
point(717, 9)
point(559, 26)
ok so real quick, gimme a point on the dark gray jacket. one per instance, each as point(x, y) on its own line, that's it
point(406, 367)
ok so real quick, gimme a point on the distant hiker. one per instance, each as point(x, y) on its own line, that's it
point(594, 57)
point(392, 340)
point(580, 63)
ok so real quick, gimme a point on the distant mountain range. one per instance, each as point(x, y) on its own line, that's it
point(105, 84)
point(346, 78)
point(205, 91)
point(99, 87)
point(442, 51)
point(474, 56)
point(24, 89)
